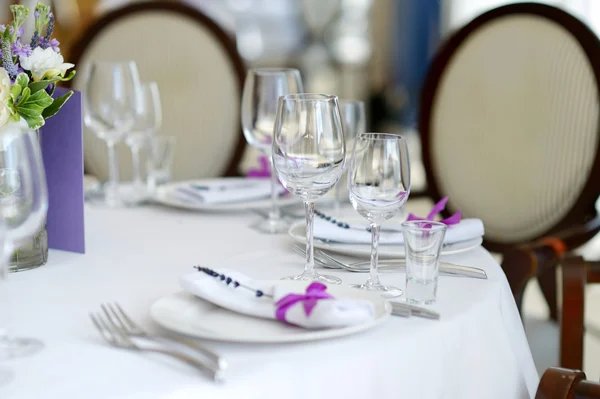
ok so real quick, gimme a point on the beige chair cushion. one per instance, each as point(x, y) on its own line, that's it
point(514, 126)
point(199, 88)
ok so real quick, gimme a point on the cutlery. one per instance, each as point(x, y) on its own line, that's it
point(399, 308)
point(132, 329)
point(393, 265)
point(117, 337)
point(224, 187)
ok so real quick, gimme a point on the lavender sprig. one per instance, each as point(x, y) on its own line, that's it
point(7, 60)
point(35, 39)
point(49, 31)
point(228, 280)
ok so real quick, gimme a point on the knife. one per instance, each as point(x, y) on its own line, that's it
point(401, 309)
point(448, 269)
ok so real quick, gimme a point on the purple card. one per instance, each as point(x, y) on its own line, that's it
point(62, 149)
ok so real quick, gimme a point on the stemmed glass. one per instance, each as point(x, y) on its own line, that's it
point(378, 186)
point(354, 123)
point(147, 122)
point(308, 156)
point(23, 208)
point(110, 104)
point(262, 89)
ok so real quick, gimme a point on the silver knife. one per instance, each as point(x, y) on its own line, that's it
point(400, 309)
point(448, 269)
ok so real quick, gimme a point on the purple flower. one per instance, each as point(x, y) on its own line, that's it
point(20, 49)
point(7, 59)
point(55, 45)
point(36, 14)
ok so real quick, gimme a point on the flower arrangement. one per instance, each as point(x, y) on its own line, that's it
point(29, 72)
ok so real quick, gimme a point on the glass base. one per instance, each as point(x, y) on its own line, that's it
point(314, 276)
point(30, 253)
point(386, 291)
point(272, 226)
point(11, 348)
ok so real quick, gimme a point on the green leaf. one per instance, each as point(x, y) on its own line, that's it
point(31, 106)
point(41, 85)
point(22, 79)
point(69, 77)
point(15, 91)
point(56, 105)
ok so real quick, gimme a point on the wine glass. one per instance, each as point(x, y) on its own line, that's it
point(23, 208)
point(308, 155)
point(354, 123)
point(378, 186)
point(262, 89)
point(147, 123)
point(110, 103)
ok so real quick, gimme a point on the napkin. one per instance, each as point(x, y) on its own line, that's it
point(326, 313)
point(467, 229)
point(222, 192)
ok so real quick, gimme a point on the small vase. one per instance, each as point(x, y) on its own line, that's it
point(33, 251)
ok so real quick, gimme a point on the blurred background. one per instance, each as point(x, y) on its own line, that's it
point(373, 50)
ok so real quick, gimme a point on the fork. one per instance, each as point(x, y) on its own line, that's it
point(446, 269)
point(117, 337)
point(134, 330)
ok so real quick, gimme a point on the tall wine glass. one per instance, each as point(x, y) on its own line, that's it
point(378, 186)
point(110, 105)
point(354, 121)
point(23, 208)
point(308, 155)
point(147, 122)
point(262, 89)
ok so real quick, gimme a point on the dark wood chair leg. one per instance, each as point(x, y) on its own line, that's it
point(559, 383)
point(547, 280)
point(519, 266)
point(572, 316)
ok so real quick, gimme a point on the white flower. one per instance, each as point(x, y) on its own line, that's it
point(45, 64)
point(5, 85)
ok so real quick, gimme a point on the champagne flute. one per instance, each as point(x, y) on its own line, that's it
point(308, 155)
point(262, 89)
point(147, 123)
point(354, 123)
point(110, 103)
point(23, 208)
point(378, 186)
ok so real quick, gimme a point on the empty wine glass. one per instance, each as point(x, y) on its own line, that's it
point(378, 186)
point(354, 122)
point(110, 104)
point(262, 89)
point(23, 208)
point(308, 156)
point(147, 123)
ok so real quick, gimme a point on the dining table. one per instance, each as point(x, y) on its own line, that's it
point(136, 255)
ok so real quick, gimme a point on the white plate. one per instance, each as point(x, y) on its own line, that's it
point(165, 195)
point(187, 314)
point(298, 233)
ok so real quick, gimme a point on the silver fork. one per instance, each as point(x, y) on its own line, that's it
point(134, 330)
point(115, 336)
point(446, 269)
point(322, 262)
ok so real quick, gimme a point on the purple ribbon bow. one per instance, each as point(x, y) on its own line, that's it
point(314, 292)
point(437, 208)
point(263, 171)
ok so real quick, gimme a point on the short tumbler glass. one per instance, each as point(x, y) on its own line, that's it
point(423, 242)
point(160, 160)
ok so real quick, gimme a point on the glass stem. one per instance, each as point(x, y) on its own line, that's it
point(5, 256)
point(275, 213)
point(309, 207)
point(112, 188)
point(373, 275)
point(135, 158)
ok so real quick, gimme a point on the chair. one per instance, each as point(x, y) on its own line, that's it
point(559, 383)
point(200, 76)
point(510, 122)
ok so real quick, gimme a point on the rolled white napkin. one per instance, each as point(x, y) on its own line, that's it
point(467, 229)
point(223, 192)
point(328, 313)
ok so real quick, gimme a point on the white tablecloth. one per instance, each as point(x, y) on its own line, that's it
point(135, 256)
